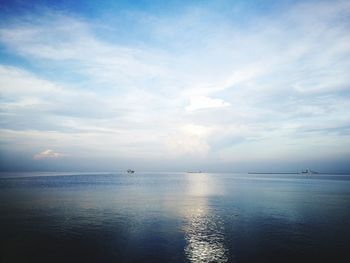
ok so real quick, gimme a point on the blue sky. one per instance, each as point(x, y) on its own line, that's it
point(175, 85)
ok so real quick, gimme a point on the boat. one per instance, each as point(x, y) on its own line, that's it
point(308, 172)
point(129, 171)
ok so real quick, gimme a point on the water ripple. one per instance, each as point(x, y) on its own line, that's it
point(205, 238)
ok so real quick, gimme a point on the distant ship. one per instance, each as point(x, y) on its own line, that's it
point(129, 171)
point(308, 171)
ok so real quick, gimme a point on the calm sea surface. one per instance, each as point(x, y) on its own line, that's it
point(174, 217)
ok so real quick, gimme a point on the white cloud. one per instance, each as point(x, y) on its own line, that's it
point(15, 81)
point(189, 140)
point(199, 103)
point(48, 154)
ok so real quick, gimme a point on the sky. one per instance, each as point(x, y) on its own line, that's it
point(219, 86)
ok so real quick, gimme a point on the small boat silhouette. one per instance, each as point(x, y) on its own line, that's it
point(308, 171)
point(129, 171)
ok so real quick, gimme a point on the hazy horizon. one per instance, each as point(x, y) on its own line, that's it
point(216, 86)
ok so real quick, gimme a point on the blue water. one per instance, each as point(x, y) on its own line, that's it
point(174, 217)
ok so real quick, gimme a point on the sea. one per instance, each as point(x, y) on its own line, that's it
point(174, 217)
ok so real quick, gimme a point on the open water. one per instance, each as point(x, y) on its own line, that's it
point(174, 217)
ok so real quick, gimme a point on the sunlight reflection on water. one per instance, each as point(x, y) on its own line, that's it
point(204, 232)
point(205, 239)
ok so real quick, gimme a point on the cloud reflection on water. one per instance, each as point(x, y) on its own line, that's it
point(204, 230)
